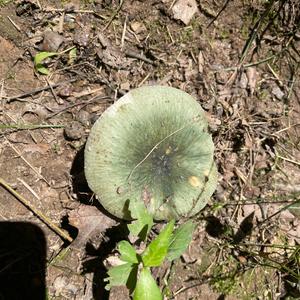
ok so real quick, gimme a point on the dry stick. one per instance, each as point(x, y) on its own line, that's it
point(268, 245)
point(293, 81)
point(278, 212)
point(124, 33)
point(29, 188)
point(29, 126)
point(114, 15)
point(249, 42)
point(14, 24)
point(258, 203)
point(254, 32)
point(141, 57)
point(289, 160)
point(52, 91)
point(10, 128)
point(247, 65)
point(32, 167)
point(38, 90)
point(45, 219)
point(85, 103)
point(77, 11)
point(218, 14)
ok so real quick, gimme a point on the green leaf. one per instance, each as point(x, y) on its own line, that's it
point(118, 275)
point(180, 240)
point(39, 57)
point(157, 250)
point(38, 60)
point(41, 69)
point(144, 221)
point(146, 287)
point(127, 252)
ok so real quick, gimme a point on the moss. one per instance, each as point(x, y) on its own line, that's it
point(4, 2)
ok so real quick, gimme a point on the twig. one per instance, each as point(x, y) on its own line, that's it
point(29, 188)
point(124, 33)
point(257, 203)
point(114, 15)
point(289, 160)
point(254, 32)
point(218, 14)
point(38, 90)
point(77, 11)
point(256, 63)
point(278, 212)
point(172, 4)
point(29, 126)
point(53, 93)
point(14, 24)
point(294, 75)
point(138, 56)
point(267, 245)
point(85, 103)
point(32, 167)
point(2, 93)
point(38, 213)
point(145, 78)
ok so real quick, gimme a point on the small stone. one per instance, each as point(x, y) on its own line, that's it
point(222, 77)
point(243, 81)
point(125, 86)
point(74, 131)
point(83, 117)
point(184, 10)
point(137, 27)
point(65, 90)
point(278, 93)
point(82, 36)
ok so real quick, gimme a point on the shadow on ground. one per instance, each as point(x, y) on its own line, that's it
point(96, 256)
point(22, 261)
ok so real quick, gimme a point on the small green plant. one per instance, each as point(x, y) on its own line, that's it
point(134, 269)
point(41, 56)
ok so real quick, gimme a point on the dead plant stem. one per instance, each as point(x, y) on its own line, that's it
point(38, 213)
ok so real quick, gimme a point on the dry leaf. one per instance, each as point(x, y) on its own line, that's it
point(89, 221)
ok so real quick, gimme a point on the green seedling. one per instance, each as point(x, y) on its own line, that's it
point(134, 271)
point(40, 57)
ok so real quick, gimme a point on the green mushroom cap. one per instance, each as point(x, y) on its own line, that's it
point(152, 145)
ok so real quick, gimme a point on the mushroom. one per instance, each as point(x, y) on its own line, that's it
point(152, 145)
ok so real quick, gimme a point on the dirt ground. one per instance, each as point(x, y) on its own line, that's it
point(239, 59)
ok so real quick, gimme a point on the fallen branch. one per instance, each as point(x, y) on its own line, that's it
point(46, 220)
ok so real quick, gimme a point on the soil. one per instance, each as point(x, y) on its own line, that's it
point(239, 59)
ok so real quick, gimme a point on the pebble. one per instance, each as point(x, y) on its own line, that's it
point(278, 93)
point(83, 117)
point(82, 36)
point(74, 131)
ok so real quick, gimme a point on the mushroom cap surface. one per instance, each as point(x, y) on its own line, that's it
point(152, 145)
